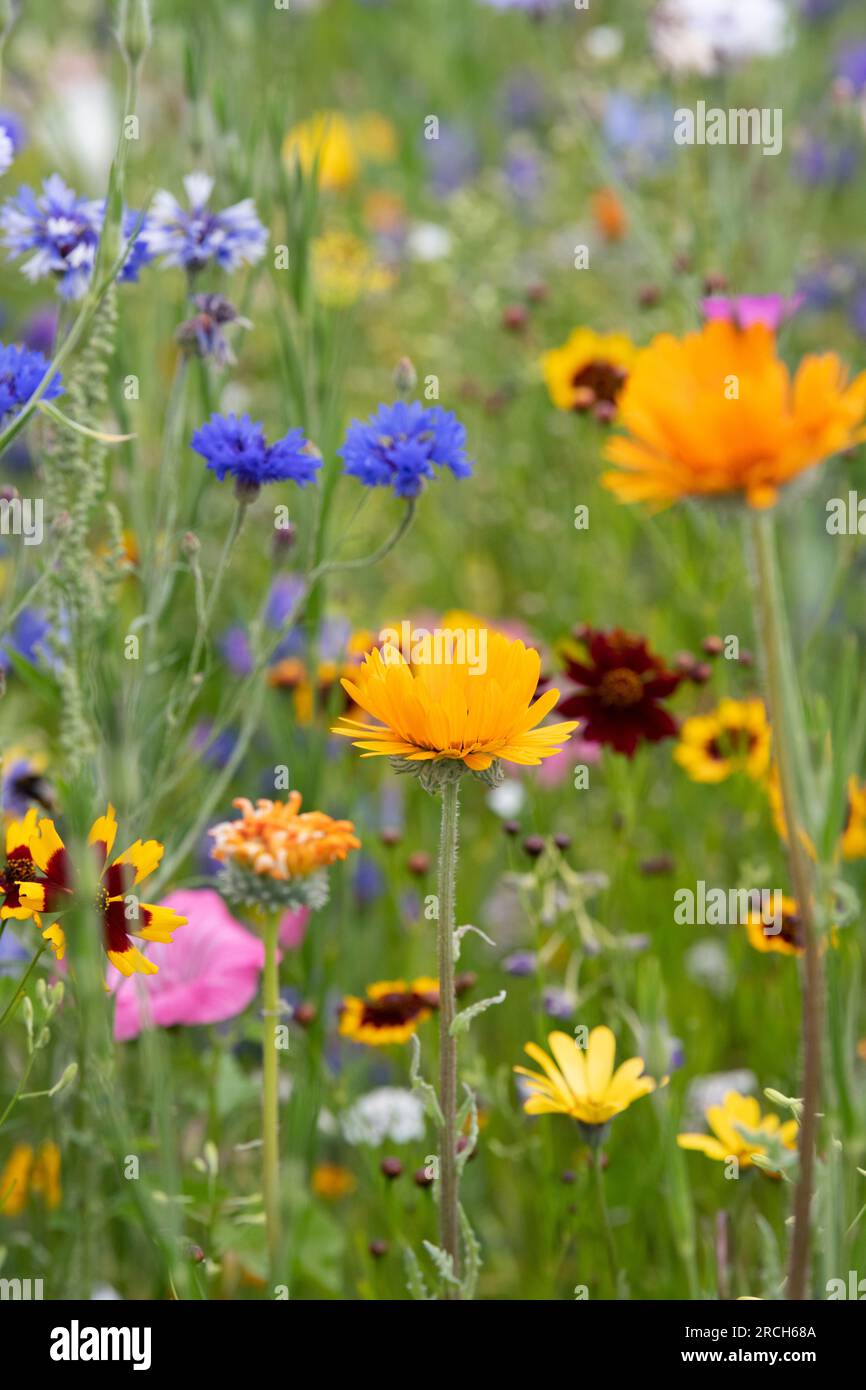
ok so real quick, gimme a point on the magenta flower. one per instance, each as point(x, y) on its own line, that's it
point(208, 974)
point(293, 927)
point(745, 310)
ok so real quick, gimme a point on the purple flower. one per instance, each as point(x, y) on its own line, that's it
point(27, 638)
point(851, 65)
point(821, 162)
point(62, 231)
point(559, 1003)
point(452, 159)
point(284, 594)
point(191, 237)
point(520, 964)
point(203, 333)
point(237, 652)
point(236, 445)
point(745, 310)
point(20, 373)
point(399, 446)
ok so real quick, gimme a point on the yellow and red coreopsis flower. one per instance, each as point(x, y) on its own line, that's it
point(735, 737)
point(445, 707)
point(279, 841)
point(588, 372)
point(582, 1084)
point(390, 1012)
point(50, 888)
point(740, 1131)
point(787, 941)
point(716, 412)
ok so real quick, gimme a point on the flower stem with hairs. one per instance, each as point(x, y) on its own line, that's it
point(791, 753)
point(270, 1097)
point(449, 1226)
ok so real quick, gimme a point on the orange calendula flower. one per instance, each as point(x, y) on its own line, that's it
point(123, 915)
point(735, 737)
point(461, 701)
point(588, 372)
point(741, 1132)
point(391, 1011)
point(608, 214)
point(583, 1084)
point(716, 413)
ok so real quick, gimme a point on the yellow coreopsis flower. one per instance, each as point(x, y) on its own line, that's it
point(788, 941)
point(716, 413)
point(50, 887)
point(588, 372)
point(582, 1084)
point(740, 1131)
point(463, 701)
point(390, 1012)
point(735, 737)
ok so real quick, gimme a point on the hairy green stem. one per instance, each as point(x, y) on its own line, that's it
point(19, 993)
point(788, 741)
point(271, 1100)
point(449, 1226)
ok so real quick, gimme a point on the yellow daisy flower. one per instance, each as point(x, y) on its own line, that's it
point(452, 709)
point(588, 371)
point(735, 737)
point(854, 834)
point(740, 1131)
point(581, 1084)
point(27, 1172)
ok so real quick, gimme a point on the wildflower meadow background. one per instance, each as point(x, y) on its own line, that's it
point(422, 378)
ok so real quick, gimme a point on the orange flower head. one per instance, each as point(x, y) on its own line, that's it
point(716, 413)
point(274, 854)
point(458, 703)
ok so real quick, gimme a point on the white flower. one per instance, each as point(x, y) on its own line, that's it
point(507, 799)
point(711, 1089)
point(707, 964)
point(7, 150)
point(706, 36)
point(386, 1113)
point(428, 242)
point(604, 42)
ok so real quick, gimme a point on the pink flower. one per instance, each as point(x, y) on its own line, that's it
point(209, 973)
point(747, 309)
point(293, 928)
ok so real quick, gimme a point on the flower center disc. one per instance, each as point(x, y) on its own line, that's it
point(621, 688)
point(20, 871)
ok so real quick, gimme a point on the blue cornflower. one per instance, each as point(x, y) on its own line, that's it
point(398, 446)
point(11, 139)
point(62, 231)
point(21, 371)
point(27, 638)
point(236, 445)
point(192, 237)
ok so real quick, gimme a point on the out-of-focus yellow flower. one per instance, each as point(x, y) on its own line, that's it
point(331, 1181)
point(29, 1172)
point(854, 834)
point(376, 138)
point(345, 270)
point(588, 371)
point(740, 1131)
point(325, 142)
point(788, 941)
point(735, 737)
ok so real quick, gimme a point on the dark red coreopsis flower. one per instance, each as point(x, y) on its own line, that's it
point(620, 687)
